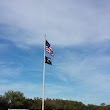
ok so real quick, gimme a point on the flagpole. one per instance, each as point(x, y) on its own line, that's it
point(43, 85)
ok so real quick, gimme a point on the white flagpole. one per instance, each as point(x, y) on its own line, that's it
point(43, 85)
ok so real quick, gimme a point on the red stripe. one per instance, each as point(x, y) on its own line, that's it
point(49, 50)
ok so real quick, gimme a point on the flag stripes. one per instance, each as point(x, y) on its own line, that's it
point(49, 50)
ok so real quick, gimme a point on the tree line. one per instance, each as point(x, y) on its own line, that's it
point(17, 100)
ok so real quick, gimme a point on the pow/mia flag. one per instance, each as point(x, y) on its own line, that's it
point(48, 60)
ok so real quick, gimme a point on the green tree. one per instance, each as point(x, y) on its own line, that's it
point(102, 104)
point(3, 103)
point(92, 107)
point(14, 99)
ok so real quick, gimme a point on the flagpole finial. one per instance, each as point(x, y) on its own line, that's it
point(45, 36)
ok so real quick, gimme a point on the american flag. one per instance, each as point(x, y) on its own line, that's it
point(48, 48)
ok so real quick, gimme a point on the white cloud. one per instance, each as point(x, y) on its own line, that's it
point(64, 22)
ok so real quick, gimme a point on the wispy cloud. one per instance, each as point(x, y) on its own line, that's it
point(3, 47)
point(85, 69)
point(29, 89)
point(93, 71)
point(8, 71)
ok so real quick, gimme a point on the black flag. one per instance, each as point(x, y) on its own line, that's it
point(48, 60)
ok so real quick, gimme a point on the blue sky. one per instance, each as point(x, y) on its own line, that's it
point(78, 31)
